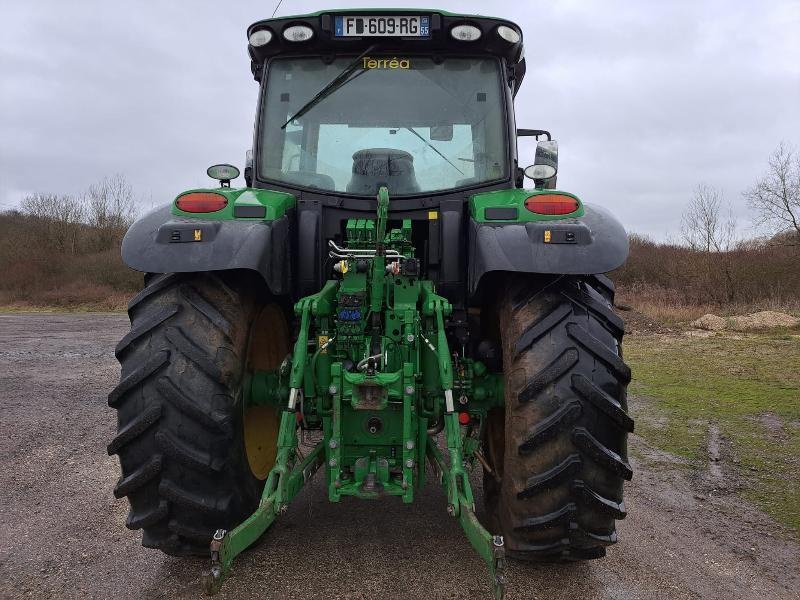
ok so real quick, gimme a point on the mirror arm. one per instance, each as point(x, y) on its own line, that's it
point(533, 133)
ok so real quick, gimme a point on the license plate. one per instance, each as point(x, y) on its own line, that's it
point(382, 26)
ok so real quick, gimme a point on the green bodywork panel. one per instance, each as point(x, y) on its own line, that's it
point(275, 203)
point(516, 198)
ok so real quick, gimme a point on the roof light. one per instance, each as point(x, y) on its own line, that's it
point(201, 202)
point(551, 204)
point(509, 34)
point(465, 33)
point(298, 33)
point(260, 37)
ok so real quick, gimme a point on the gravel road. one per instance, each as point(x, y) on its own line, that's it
point(63, 533)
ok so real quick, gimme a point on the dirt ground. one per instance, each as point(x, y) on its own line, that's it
point(63, 533)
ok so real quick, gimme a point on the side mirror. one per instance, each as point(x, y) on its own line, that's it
point(545, 166)
point(248, 168)
point(224, 173)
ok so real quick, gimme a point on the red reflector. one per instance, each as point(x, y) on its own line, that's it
point(463, 418)
point(551, 204)
point(201, 202)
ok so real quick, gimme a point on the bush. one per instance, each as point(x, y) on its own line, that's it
point(37, 270)
point(758, 274)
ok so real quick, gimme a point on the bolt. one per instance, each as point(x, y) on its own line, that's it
point(410, 463)
point(333, 444)
point(337, 483)
point(409, 390)
point(451, 510)
point(404, 485)
point(410, 445)
point(332, 462)
point(410, 338)
point(332, 389)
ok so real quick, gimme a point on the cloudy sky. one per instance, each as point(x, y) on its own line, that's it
point(646, 99)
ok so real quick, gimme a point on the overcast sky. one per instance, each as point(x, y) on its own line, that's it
point(646, 99)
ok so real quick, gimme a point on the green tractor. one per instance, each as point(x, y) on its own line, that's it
point(384, 293)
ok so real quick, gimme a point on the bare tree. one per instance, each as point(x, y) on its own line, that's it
point(775, 197)
point(62, 216)
point(706, 225)
point(111, 208)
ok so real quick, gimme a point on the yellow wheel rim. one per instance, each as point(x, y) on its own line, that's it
point(269, 344)
point(260, 439)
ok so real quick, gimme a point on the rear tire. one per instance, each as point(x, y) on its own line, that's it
point(180, 411)
point(560, 450)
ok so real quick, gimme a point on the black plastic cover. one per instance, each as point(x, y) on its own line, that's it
point(588, 245)
point(153, 246)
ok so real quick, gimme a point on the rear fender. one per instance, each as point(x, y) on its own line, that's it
point(589, 243)
point(169, 241)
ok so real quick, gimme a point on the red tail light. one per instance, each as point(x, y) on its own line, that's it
point(551, 204)
point(201, 202)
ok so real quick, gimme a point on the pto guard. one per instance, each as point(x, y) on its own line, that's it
point(588, 245)
point(161, 242)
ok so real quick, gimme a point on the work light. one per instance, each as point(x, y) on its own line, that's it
point(509, 34)
point(465, 33)
point(260, 37)
point(298, 33)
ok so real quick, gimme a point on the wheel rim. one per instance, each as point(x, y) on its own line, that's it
point(269, 344)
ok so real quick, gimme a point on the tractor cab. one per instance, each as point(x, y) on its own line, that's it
point(419, 102)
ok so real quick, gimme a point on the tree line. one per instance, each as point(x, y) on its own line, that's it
point(711, 264)
point(91, 222)
point(708, 224)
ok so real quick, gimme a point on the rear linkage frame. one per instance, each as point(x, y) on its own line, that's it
point(291, 471)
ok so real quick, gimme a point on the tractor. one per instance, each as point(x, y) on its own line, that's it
point(385, 300)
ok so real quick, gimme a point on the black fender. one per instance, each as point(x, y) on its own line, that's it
point(160, 242)
point(588, 245)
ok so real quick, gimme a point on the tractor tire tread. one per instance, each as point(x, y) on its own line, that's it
point(185, 454)
point(134, 428)
point(155, 363)
point(179, 408)
point(145, 326)
point(590, 392)
point(127, 485)
point(550, 427)
point(566, 421)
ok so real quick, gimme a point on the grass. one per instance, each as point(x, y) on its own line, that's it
point(748, 385)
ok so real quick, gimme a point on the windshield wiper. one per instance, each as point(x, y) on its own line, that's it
point(334, 84)
point(431, 146)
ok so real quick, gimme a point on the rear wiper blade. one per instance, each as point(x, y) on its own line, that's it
point(333, 85)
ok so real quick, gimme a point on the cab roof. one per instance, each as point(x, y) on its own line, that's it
point(440, 41)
